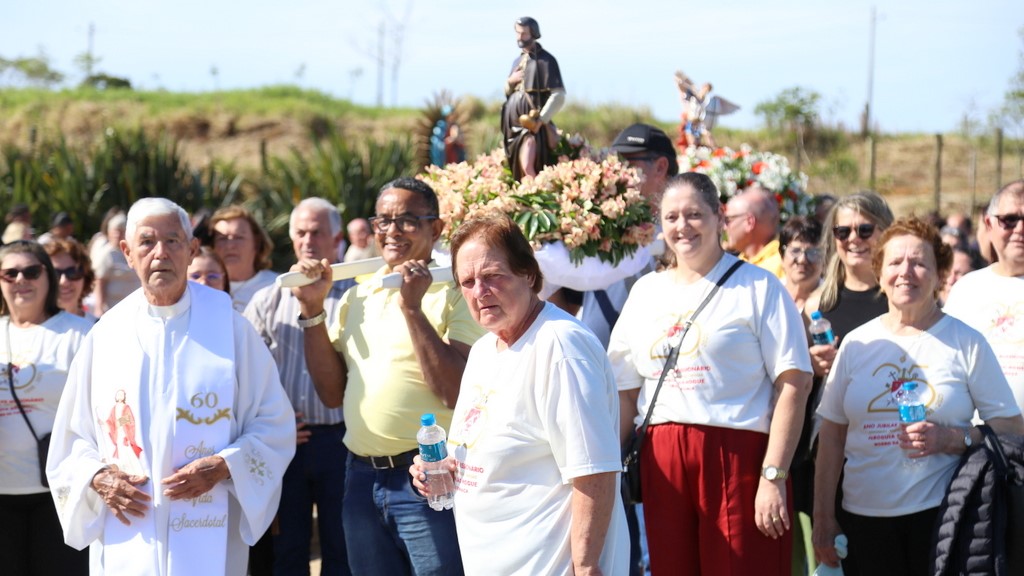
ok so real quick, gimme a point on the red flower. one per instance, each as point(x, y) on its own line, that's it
point(757, 167)
point(719, 152)
point(703, 164)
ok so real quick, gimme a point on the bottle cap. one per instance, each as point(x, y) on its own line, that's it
point(816, 315)
point(427, 420)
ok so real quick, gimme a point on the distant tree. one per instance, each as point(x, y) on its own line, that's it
point(30, 71)
point(794, 111)
point(87, 62)
point(101, 81)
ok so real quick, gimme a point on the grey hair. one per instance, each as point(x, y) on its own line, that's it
point(154, 206)
point(317, 205)
point(1015, 188)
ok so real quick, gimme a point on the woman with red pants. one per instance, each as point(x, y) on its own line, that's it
point(728, 417)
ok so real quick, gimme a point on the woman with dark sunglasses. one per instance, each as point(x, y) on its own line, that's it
point(37, 342)
point(74, 275)
point(849, 295)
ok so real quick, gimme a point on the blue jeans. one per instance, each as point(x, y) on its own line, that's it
point(391, 531)
point(315, 475)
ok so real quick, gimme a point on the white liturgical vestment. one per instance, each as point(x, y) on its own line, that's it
point(151, 389)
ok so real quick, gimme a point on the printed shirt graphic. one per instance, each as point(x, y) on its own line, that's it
point(38, 363)
point(748, 334)
point(953, 366)
point(994, 305)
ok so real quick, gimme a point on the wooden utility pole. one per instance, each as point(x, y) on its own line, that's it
point(871, 162)
point(999, 159)
point(868, 107)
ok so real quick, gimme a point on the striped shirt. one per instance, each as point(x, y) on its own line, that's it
point(274, 313)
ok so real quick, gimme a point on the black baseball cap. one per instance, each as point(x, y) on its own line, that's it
point(61, 219)
point(644, 138)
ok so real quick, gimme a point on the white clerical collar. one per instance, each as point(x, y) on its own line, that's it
point(176, 309)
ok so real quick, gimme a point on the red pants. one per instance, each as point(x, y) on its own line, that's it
point(699, 485)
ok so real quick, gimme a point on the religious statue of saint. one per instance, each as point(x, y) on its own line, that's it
point(534, 94)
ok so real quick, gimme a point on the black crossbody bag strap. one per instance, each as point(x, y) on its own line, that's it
point(673, 354)
point(10, 381)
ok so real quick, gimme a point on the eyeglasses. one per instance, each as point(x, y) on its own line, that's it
point(210, 276)
point(32, 272)
point(864, 231)
point(72, 273)
point(811, 254)
point(1009, 221)
point(730, 217)
point(404, 223)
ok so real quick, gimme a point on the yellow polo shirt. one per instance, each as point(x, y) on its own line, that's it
point(769, 259)
point(385, 394)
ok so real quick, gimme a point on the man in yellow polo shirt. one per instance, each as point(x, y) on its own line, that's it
point(752, 227)
point(390, 356)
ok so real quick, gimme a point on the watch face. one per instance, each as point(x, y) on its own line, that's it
point(771, 472)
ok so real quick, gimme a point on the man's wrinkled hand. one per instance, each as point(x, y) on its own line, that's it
point(119, 493)
point(196, 478)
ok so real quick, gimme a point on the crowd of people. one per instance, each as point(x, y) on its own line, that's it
point(169, 407)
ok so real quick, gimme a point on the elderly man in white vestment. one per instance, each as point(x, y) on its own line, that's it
point(173, 432)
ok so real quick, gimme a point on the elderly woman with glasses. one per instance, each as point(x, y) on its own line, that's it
point(801, 258)
point(74, 275)
point(37, 342)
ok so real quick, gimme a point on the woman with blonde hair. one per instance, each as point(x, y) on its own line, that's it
point(849, 294)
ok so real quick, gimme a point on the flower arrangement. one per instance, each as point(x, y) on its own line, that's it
point(589, 202)
point(733, 170)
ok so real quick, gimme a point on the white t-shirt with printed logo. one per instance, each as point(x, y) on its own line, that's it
point(994, 305)
point(41, 357)
point(528, 421)
point(744, 339)
point(956, 372)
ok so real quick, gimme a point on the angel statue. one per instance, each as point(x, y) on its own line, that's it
point(700, 112)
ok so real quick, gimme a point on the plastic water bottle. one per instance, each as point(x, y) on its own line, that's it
point(821, 330)
point(841, 551)
point(433, 451)
point(911, 409)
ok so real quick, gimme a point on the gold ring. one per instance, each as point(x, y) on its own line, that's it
point(776, 518)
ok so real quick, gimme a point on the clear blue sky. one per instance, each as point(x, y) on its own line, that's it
point(934, 58)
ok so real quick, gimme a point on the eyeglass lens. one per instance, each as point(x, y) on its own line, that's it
point(29, 272)
point(864, 231)
point(1009, 221)
point(71, 273)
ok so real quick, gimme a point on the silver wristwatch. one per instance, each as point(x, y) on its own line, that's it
point(772, 473)
point(310, 322)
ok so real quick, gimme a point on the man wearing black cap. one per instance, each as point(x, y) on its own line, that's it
point(649, 149)
point(534, 94)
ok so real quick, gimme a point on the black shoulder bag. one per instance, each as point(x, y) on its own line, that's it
point(42, 444)
point(631, 463)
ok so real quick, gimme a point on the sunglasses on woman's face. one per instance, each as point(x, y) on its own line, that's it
point(32, 272)
point(72, 273)
point(864, 231)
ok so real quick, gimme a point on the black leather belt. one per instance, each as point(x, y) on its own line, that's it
point(402, 460)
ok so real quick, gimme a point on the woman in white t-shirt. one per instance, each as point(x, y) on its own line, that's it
point(533, 437)
point(888, 508)
point(725, 425)
point(37, 343)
